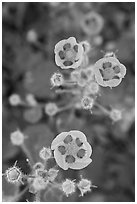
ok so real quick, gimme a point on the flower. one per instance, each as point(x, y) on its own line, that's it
point(109, 72)
point(68, 53)
point(51, 109)
point(84, 186)
point(57, 79)
point(71, 150)
point(45, 153)
point(92, 23)
point(68, 187)
point(17, 138)
point(13, 174)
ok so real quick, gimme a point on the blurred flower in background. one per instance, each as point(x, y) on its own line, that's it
point(54, 79)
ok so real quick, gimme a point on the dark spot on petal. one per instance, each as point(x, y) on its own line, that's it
point(107, 65)
point(106, 79)
point(78, 142)
point(81, 153)
point(67, 46)
point(116, 77)
point(62, 149)
point(68, 139)
point(70, 159)
point(75, 48)
point(68, 63)
point(101, 71)
point(61, 55)
point(116, 69)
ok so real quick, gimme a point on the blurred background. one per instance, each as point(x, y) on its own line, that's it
point(30, 32)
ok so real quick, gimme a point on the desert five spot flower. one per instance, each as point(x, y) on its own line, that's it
point(68, 53)
point(71, 150)
point(109, 72)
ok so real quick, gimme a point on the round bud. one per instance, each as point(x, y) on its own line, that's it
point(17, 138)
point(14, 100)
point(51, 109)
point(115, 115)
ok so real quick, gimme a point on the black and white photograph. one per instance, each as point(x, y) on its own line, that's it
point(68, 101)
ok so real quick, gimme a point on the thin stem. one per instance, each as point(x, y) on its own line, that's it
point(103, 109)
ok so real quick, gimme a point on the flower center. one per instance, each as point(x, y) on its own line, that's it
point(108, 73)
point(70, 55)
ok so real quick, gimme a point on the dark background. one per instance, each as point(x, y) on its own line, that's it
point(112, 169)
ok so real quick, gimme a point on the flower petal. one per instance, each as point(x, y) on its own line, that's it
point(122, 70)
point(88, 148)
point(71, 40)
point(80, 165)
point(113, 82)
point(78, 134)
point(59, 46)
point(60, 160)
point(59, 138)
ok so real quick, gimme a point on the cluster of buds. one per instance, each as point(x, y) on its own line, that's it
point(41, 177)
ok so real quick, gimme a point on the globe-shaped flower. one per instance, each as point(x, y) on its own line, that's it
point(92, 23)
point(109, 71)
point(68, 53)
point(71, 150)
